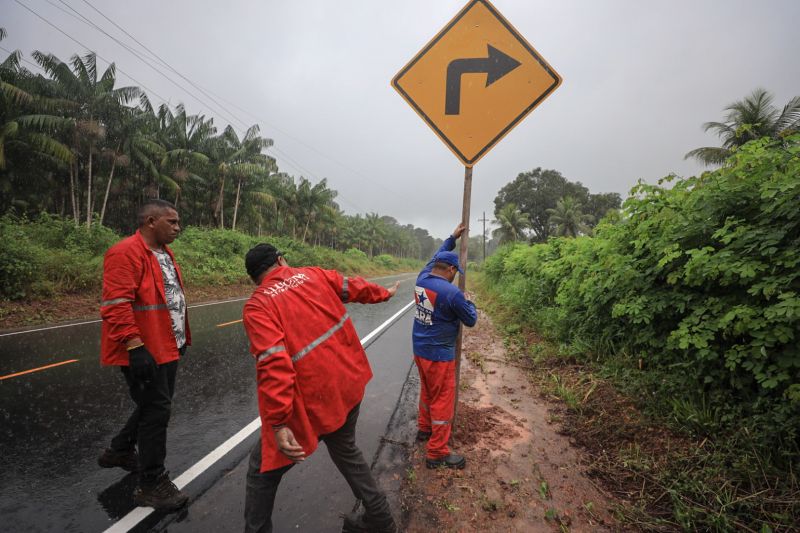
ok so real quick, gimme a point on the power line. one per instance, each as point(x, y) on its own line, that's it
point(153, 54)
point(310, 147)
point(88, 48)
point(283, 155)
point(304, 171)
point(80, 17)
point(62, 9)
point(89, 22)
point(211, 94)
point(157, 57)
point(9, 52)
point(84, 19)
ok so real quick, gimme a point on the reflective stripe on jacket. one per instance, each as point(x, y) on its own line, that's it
point(311, 369)
point(134, 303)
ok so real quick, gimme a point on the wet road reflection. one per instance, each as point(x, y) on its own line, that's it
point(54, 423)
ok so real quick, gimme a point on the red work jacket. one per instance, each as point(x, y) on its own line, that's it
point(135, 305)
point(310, 367)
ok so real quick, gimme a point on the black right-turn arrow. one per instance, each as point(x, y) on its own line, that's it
point(495, 66)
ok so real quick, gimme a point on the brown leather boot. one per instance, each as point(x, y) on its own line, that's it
point(161, 494)
point(127, 460)
point(359, 522)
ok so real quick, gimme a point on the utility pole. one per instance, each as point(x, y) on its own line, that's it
point(484, 234)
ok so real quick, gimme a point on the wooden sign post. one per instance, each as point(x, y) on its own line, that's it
point(472, 83)
point(462, 279)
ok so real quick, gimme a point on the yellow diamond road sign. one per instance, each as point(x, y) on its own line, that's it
point(475, 81)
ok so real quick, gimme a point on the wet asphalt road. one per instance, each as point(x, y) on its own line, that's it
point(313, 495)
point(54, 423)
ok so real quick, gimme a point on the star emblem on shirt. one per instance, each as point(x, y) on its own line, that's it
point(421, 297)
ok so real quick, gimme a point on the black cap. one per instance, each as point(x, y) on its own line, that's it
point(260, 258)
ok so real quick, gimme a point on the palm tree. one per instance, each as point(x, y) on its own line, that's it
point(133, 136)
point(354, 233)
point(95, 98)
point(188, 141)
point(247, 162)
point(282, 188)
point(568, 219)
point(313, 201)
point(513, 223)
point(32, 130)
point(375, 232)
point(751, 118)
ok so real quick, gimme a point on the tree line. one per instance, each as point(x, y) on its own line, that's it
point(542, 203)
point(75, 144)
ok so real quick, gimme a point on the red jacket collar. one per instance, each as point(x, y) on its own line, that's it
point(274, 274)
point(140, 240)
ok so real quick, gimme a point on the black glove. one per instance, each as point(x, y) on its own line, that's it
point(142, 364)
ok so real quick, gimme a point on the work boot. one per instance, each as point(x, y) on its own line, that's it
point(422, 436)
point(361, 523)
point(450, 461)
point(160, 494)
point(127, 460)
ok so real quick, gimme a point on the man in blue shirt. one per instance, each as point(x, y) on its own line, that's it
point(441, 309)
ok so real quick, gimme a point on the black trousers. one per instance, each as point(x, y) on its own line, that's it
point(146, 428)
point(341, 444)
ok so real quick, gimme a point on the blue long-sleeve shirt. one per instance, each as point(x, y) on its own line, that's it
point(441, 308)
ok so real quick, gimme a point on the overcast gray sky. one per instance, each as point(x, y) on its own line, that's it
point(640, 78)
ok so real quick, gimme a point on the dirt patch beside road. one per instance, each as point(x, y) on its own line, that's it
point(522, 473)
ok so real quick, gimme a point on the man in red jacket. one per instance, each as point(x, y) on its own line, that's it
point(145, 331)
point(311, 372)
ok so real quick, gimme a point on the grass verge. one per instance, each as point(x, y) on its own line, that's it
point(51, 270)
point(658, 455)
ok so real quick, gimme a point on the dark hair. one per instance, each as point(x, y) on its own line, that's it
point(260, 258)
point(152, 207)
point(441, 265)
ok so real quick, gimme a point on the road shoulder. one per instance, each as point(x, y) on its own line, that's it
point(522, 473)
point(86, 306)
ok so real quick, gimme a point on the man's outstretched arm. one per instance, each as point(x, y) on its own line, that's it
point(357, 289)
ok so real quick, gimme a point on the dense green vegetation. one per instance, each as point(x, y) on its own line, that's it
point(541, 203)
point(690, 299)
point(75, 145)
point(50, 256)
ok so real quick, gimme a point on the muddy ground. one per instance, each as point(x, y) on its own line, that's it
point(522, 474)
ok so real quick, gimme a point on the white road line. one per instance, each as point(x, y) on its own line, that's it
point(96, 321)
point(132, 519)
point(377, 331)
point(47, 328)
